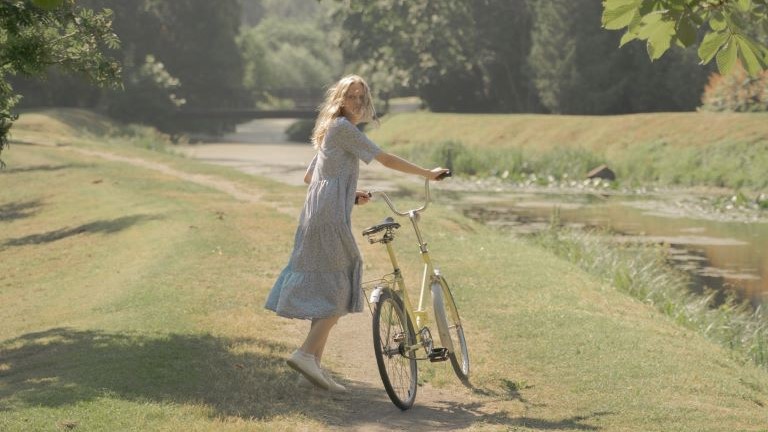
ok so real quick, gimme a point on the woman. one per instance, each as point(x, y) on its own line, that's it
point(322, 279)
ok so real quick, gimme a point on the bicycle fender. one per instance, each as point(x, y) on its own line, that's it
point(376, 294)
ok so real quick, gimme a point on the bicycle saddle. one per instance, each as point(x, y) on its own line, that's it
point(387, 223)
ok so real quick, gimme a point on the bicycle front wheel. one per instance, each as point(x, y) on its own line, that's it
point(392, 335)
point(450, 329)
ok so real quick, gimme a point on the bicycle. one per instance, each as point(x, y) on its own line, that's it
point(399, 330)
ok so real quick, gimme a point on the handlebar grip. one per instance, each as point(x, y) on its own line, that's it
point(444, 175)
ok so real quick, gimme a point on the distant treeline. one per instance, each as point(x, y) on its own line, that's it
point(541, 56)
point(515, 56)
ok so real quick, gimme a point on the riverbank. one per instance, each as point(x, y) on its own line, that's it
point(150, 303)
point(668, 149)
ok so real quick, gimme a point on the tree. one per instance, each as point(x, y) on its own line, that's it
point(578, 70)
point(421, 44)
point(456, 55)
point(288, 60)
point(193, 41)
point(37, 34)
point(727, 27)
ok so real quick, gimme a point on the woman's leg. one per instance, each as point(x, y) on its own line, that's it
point(318, 335)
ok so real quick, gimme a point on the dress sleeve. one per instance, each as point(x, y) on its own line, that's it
point(348, 137)
point(311, 168)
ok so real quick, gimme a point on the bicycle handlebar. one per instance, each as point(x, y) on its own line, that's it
point(416, 210)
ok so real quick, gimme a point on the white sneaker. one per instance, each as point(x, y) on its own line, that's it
point(305, 364)
point(301, 381)
point(333, 385)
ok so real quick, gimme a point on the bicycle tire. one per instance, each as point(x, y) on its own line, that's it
point(450, 329)
point(392, 330)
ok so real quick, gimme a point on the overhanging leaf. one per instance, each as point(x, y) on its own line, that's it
point(660, 38)
point(619, 13)
point(717, 22)
point(744, 5)
point(726, 58)
point(752, 55)
point(686, 31)
point(751, 63)
point(628, 37)
point(709, 46)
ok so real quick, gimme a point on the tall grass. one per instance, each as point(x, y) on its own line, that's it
point(667, 149)
point(509, 163)
point(733, 165)
point(643, 272)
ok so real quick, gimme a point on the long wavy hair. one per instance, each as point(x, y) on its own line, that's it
point(331, 108)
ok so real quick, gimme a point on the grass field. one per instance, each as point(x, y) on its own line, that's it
point(131, 299)
point(687, 149)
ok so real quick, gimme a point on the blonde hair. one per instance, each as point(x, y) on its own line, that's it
point(331, 108)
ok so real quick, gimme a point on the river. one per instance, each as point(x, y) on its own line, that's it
point(719, 252)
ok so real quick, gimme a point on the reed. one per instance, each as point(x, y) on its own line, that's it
point(643, 272)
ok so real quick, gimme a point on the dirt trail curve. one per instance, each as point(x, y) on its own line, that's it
point(350, 349)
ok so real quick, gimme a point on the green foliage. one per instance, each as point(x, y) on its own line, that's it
point(457, 55)
point(578, 70)
point(35, 35)
point(300, 130)
point(663, 23)
point(736, 92)
point(193, 40)
point(288, 59)
point(48, 4)
point(732, 165)
point(464, 160)
point(149, 96)
point(509, 164)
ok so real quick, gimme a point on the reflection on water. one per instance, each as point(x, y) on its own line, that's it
point(719, 255)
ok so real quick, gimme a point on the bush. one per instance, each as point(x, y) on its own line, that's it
point(509, 163)
point(300, 130)
point(467, 161)
point(737, 92)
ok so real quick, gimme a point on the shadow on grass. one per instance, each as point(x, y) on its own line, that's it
point(36, 168)
point(230, 377)
point(19, 210)
point(62, 366)
point(102, 226)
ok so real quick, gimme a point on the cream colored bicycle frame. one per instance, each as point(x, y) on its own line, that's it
point(418, 316)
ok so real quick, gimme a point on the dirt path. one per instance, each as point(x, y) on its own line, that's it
point(349, 350)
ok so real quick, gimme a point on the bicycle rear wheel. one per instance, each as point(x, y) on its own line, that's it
point(392, 333)
point(450, 329)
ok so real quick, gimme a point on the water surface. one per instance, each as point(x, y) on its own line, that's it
point(719, 254)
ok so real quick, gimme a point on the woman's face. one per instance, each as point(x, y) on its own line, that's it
point(354, 102)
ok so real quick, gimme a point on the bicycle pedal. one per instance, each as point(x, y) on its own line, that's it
point(438, 355)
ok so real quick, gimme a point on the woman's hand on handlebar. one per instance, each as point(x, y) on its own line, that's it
point(439, 173)
point(362, 197)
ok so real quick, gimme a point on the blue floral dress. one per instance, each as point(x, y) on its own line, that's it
point(323, 276)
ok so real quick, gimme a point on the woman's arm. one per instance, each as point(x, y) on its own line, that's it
point(397, 163)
